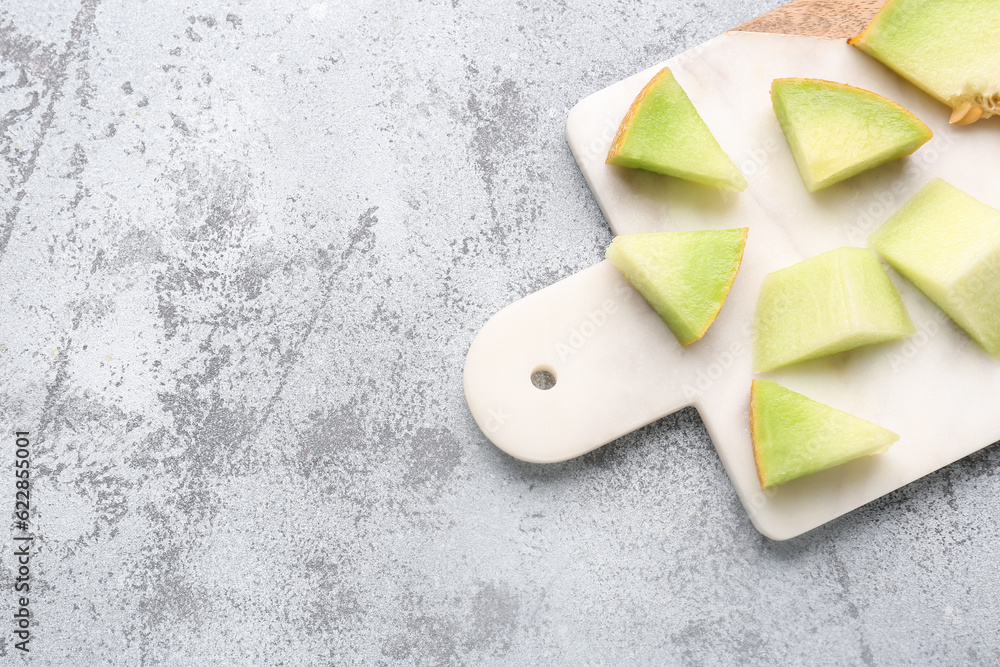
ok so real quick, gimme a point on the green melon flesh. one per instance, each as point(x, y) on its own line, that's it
point(684, 276)
point(663, 132)
point(836, 131)
point(948, 48)
point(947, 243)
point(830, 303)
point(794, 436)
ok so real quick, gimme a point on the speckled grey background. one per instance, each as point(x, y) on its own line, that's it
point(245, 247)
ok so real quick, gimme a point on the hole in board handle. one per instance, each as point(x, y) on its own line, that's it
point(543, 378)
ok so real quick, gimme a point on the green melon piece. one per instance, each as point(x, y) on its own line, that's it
point(837, 131)
point(794, 436)
point(827, 304)
point(684, 276)
point(663, 132)
point(947, 243)
point(946, 47)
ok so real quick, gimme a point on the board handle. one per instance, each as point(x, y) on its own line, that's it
point(573, 367)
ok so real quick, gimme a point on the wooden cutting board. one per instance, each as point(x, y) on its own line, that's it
point(830, 19)
point(617, 367)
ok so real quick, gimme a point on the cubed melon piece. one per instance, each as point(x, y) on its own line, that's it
point(794, 436)
point(684, 276)
point(827, 304)
point(837, 131)
point(947, 243)
point(662, 132)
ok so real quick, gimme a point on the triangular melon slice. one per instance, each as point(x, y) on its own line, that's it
point(946, 47)
point(837, 131)
point(824, 305)
point(663, 132)
point(794, 436)
point(684, 276)
point(947, 243)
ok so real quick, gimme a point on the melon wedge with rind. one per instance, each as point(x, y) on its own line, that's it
point(948, 48)
point(836, 131)
point(834, 302)
point(947, 243)
point(794, 436)
point(684, 276)
point(662, 132)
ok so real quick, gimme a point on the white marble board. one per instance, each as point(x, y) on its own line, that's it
point(618, 367)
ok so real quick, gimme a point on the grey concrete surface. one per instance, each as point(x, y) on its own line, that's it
point(244, 250)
